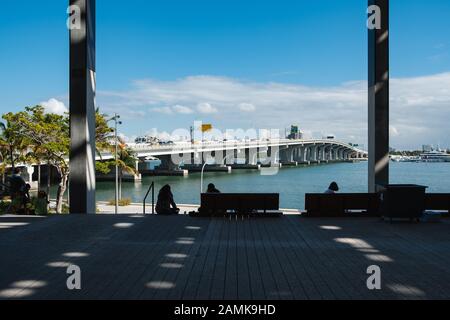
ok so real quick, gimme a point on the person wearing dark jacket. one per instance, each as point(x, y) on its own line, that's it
point(212, 189)
point(165, 204)
point(333, 188)
point(17, 184)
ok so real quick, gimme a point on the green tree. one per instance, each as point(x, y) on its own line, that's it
point(51, 133)
point(37, 137)
point(12, 145)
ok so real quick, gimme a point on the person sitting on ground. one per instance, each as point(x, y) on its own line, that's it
point(212, 189)
point(333, 188)
point(18, 191)
point(165, 204)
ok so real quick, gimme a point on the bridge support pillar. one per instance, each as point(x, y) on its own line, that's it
point(287, 157)
point(251, 156)
point(341, 154)
point(167, 164)
point(314, 157)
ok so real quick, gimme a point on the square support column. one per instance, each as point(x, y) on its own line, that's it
point(378, 95)
point(82, 106)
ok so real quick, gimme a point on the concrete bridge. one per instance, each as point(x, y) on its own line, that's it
point(182, 158)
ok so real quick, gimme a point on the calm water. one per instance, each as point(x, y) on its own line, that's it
point(291, 183)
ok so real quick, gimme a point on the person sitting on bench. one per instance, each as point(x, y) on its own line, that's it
point(166, 205)
point(333, 188)
point(212, 189)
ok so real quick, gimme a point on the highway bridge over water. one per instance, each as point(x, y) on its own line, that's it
point(182, 158)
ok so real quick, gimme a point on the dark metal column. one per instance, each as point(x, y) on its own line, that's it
point(378, 94)
point(82, 106)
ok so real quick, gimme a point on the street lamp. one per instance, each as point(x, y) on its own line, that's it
point(116, 124)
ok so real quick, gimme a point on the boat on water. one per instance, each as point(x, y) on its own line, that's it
point(435, 156)
point(406, 159)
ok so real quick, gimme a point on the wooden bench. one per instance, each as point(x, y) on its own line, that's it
point(342, 205)
point(244, 204)
point(438, 201)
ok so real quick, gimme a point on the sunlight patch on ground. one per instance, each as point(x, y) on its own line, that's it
point(58, 264)
point(16, 293)
point(123, 225)
point(185, 240)
point(406, 290)
point(176, 255)
point(330, 228)
point(9, 225)
point(378, 258)
point(29, 283)
point(164, 285)
point(354, 242)
point(76, 254)
point(192, 228)
point(369, 250)
point(169, 265)
point(22, 289)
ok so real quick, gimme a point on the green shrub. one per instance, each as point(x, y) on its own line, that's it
point(122, 202)
point(4, 205)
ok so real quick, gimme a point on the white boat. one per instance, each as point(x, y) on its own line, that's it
point(435, 156)
point(405, 159)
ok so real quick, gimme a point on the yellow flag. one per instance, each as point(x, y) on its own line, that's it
point(206, 127)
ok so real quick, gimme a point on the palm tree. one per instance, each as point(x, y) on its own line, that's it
point(126, 162)
point(103, 133)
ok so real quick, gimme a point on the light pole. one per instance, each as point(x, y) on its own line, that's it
point(116, 124)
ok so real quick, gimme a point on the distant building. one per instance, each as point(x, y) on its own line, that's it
point(295, 133)
point(427, 148)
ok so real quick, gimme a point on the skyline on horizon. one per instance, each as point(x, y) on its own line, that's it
point(238, 65)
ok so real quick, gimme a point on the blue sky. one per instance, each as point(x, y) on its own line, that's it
point(237, 64)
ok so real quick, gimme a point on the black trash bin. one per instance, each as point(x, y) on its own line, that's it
point(402, 201)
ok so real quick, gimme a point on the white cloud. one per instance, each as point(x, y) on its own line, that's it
point(247, 107)
point(164, 110)
point(54, 106)
point(177, 109)
point(420, 106)
point(206, 108)
point(182, 109)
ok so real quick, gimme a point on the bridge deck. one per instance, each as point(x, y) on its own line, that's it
point(154, 257)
